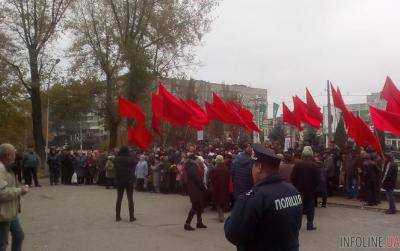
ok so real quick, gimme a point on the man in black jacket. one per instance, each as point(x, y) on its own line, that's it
point(305, 177)
point(124, 166)
point(371, 177)
point(389, 182)
point(67, 167)
point(53, 161)
point(268, 217)
point(241, 171)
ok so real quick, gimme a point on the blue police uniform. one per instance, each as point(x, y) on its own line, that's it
point(268, 217)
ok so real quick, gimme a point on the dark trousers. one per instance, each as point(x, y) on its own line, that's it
point(372, 193)
point(140, 184)
point(352, 187)
point(89, 177)
point(195, 210)
point(309, 208)
point(333, 183)
point(324, 197)
point(17, 234)
point(81, 180)
point(109, 182)
point(54, 176)
point(18, 174)
point(31, 173)
point(391, 200)
point(120, 195)
point(66, 175)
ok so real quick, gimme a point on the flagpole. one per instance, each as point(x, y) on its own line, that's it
point(329, 112)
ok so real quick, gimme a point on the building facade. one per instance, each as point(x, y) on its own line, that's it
point(255, 99)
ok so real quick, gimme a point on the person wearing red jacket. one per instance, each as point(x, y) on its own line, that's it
point(220, 186)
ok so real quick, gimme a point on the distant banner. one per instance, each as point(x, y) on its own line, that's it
point(288, 143)
point(256, 137)
point(275, 110)
point(200, 135)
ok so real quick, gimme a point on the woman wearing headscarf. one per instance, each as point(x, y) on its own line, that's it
point(196, 191)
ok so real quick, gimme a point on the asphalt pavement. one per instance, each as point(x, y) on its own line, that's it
point(82, 218)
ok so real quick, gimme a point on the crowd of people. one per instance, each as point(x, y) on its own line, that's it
point(358, 173)
point(216, 175)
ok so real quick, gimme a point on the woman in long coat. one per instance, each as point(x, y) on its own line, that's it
point(220, 186)
point(196, 191)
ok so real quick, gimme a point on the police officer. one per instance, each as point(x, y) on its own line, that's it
point(268, 217)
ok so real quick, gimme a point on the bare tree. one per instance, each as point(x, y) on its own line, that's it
point(156, 37)
point(94, 48)
point(145, 38)
point(31, 26)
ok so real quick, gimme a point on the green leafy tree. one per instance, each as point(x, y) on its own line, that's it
point(340, 137)
point(31, 27)
point(95, 53)
point(69, 105)
point(277, 134)
point(311, 138)
point(14, 116)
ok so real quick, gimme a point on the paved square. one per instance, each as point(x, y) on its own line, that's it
point(82, 218)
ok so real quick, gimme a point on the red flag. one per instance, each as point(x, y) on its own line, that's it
point(357, 129)
point(221, 109)
point(290, 118)
point(199, 118)
point(224, 112)
point(246, 116)
point(338, 99)
point(237, 119)
point(211, 113)
point(128, 109)
point(157, 110)
point(156, 124)
point(231, 113)
point(301, 113)
point(313, 109)
point(392, 96)
point(214, 114)
point(140, 136)
point(385, 121)
point(370, 139)
point(172, 109)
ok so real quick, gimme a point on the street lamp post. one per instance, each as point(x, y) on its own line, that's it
point(48, 107)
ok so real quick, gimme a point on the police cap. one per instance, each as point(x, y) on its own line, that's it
point(266, 156)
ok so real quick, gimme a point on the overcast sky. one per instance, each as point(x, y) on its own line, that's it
point(286, 45)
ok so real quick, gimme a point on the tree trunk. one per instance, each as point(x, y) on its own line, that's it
point(112, 117)
point(113, 136)
point(36, 103)
point(37, 124)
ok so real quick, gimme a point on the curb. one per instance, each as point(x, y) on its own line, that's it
point(361, 207)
